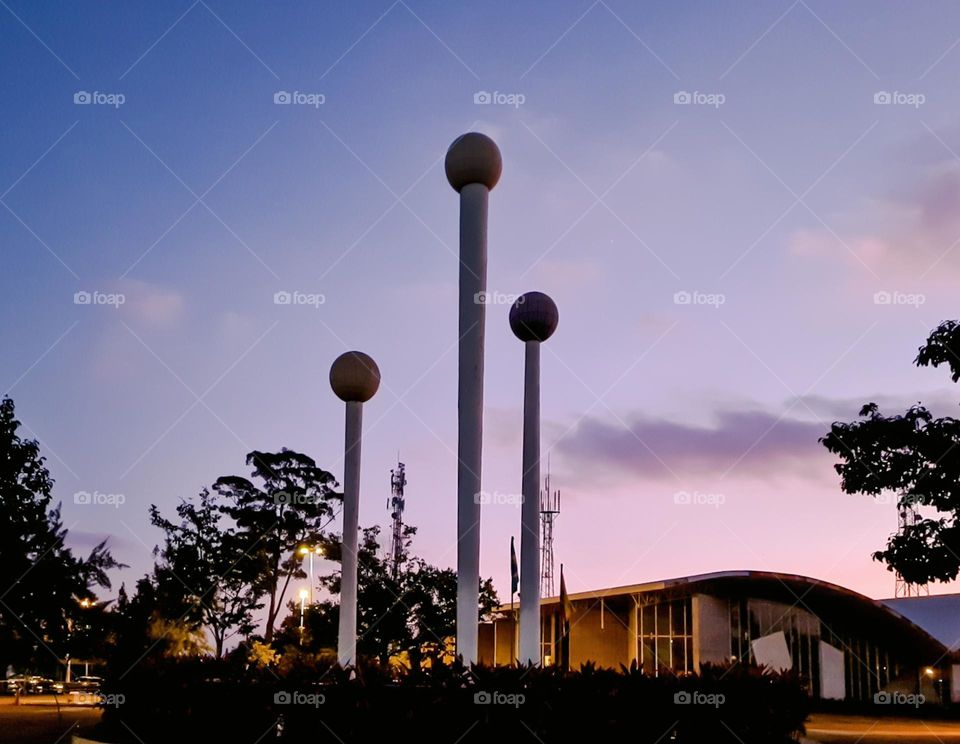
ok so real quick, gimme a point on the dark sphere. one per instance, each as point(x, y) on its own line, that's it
point(354, 376)
point(473, 158)
point(534, 317)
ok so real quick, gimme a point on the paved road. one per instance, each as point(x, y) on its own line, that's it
point(834, 729)
point(37, 720)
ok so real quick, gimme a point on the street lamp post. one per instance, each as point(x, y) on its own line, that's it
point(473, 166)
point(303, 600)
point(306, 550)
point(533, 319)
point(354, 378)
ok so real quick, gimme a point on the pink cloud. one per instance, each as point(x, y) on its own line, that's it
point(910, 235)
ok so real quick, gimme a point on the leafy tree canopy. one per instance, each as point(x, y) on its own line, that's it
point(42, 582)
point(914, 456)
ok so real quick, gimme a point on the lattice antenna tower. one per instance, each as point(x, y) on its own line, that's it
point(908, 516)
point(549, 510)
point(396, 503)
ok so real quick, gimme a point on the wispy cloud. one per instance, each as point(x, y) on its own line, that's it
point(757, 443)
point(913, 233)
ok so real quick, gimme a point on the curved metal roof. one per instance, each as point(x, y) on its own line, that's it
point(832, 603)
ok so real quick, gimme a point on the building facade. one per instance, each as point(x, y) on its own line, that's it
point(842, 644)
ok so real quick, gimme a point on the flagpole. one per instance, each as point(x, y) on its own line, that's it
point(514, 583)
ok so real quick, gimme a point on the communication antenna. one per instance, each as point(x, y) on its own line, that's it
point(549, 509)
point(396, 502)
point(908, 516)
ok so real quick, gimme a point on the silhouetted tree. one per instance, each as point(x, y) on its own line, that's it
point(151, 624)
point(206, 563)
point(90, 635)
point(292, 505)
point(41, 580)
point(413, 613)
point(916, 457)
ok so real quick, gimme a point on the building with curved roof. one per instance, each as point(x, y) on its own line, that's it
point(844, 645)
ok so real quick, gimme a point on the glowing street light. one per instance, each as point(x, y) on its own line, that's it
point(306, 550)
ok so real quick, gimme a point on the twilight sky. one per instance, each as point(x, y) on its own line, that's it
point(713, 193)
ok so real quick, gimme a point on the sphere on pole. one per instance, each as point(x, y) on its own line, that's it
point(473, 166)
point(533, 319)
point(473, 158)
point(354, 378)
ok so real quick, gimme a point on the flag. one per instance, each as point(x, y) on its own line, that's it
point(566, 612)
point(514, 573)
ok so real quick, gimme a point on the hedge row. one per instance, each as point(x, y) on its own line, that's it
point(207, 701)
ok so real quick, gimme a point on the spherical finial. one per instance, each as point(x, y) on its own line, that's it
point(354, 376)
point(473, 158)
point(534, 317)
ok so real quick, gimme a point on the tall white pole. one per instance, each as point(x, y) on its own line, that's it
point(473, 286)
point(530, 510)
point(347, 646)
point(354, 378)
point(473, 167)
point(533, 319)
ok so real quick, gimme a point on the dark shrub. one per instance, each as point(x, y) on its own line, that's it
point(316, 701)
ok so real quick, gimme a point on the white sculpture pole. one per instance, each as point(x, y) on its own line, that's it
point(473, 167)
point(533, 319)
point(354, 377)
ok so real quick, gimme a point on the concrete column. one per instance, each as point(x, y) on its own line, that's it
point(473, 166)
point(533, 319)
point(473, 286)
point(711, 630)
point(633, 631)
point(530, 510)
point(354, 378)
point(347, 646)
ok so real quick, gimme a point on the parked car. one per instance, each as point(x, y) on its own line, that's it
point(30, 684)
point(89, 683)
point(85, 683)
point(15, 683)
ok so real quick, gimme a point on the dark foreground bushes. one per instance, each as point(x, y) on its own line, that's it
point(205, 701)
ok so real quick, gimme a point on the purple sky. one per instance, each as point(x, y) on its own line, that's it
point(814, 166)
